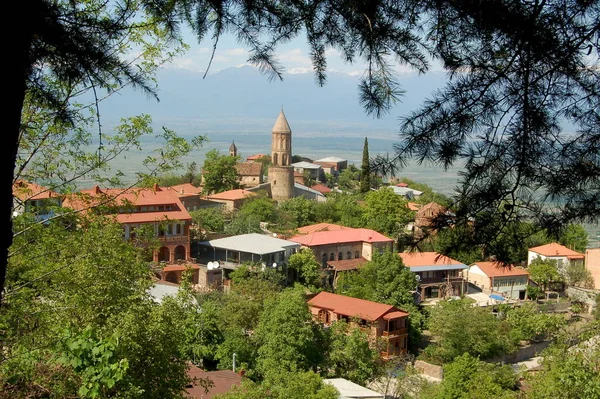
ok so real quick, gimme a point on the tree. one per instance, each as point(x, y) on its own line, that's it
point(284, 385)
point(386, 212)
point(467, 377)
point(289, 340)
point(574, 237)
point(365, 169)
point(78, 320)
point(301, 209)
point(350, 354)
point(208, 220)
point(349, 179)
point(544, 272)
point(461, 328)
point(309, 270)
point(219, 172)
point(528, 323)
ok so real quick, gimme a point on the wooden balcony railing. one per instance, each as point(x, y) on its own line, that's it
point(395, 333)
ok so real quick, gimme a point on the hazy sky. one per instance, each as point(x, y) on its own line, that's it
point(292, 55)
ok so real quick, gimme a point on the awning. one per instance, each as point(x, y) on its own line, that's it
point(394, 315)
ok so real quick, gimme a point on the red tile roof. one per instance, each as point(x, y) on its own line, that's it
point(320, 227)
point(134, 197)
point(223, 381)
point(353, 307)
point(26, 191)
point(555, 249)
point(413, 206)
point(414, 259)
point(232, 195)
point(321, 188)
point(256, 156)
point(495, 269)
point(184, 189)
point(347, 264)
point(249, 168)
point(340, 236)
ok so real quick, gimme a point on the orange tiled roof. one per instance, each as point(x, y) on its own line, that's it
point(340, 236)
point(232, 195)
point(353, 307)
point(134, 197)
point(413, 206)
point(320, 227)
point(255, 157)
point(249, 168)
point(184, 189)
point(415, 259)
point(321, 188)
point(26, 191)
point(555, 249)
point(222, 382)
point(495, 269)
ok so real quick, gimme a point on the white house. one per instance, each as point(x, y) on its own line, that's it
point(351, 390)
point(555, 251)
point(509, 281)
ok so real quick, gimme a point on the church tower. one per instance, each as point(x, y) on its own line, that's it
point(281, 174)
point(233, 149)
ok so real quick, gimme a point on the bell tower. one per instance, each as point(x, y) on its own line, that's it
point(281, 174)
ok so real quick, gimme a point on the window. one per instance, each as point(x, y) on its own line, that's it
point(178, 228)
point(332, 256)
point(348, 255)
point(356, 255)
point(324, 258)
point(340, 256)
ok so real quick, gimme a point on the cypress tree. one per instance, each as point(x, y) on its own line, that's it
point(365, 172)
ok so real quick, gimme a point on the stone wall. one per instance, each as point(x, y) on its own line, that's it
point(429, 369)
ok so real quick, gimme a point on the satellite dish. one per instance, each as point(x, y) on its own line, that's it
point(216, 264)
point(418, 277)
point(274, 264)
point(209, 265)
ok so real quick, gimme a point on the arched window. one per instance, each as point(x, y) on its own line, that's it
point(348, 255)
point(340, 256)
point(332, 256)
point(324, 258)
point(356, 254)
point(275, 159)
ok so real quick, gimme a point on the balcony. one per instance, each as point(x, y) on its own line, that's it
point(179, 239)
point(395, 333)
point(440, 280)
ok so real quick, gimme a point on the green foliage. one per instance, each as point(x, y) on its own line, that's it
point(574, 237)
point(459, 328)
point(92, 283)
point(349, 179)
point(534, 293)
point(301, 209)
point(571, 371)
point(467, 377)
point(243, 223)
point(365, 169)
point(386, 212)
point(219, 172)
point(289, 339)
point(528, 323)
point(577, 274)
point(350, 355)
point(544, 272)
point(209, 219)
point(308, 268)
point(95, 361)
point(262, 207)
point(284, 385)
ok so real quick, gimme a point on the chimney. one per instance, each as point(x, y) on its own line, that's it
point(97, 190)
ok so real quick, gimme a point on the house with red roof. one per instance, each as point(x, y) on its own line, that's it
point(344, 243)
point(232, 199)
point(439, 276)
point(137, 208)
point(385, 325)
point(32, 198)
point(222, 381)
point(557, 252)
point(250, 173)
point(188, 194)
point(493, 277)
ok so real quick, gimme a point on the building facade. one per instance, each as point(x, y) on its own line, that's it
point(492, 277)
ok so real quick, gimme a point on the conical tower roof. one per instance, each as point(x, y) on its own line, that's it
point(232, 147)
point(281, 124)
